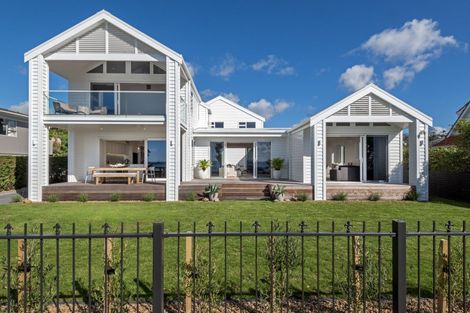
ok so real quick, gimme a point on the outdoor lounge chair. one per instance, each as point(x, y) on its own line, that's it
point(63, 108)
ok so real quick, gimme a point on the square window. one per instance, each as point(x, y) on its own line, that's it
point(96, 70)
point(158, 70)
point(115, 67)
point(250, 125)
point(140, 67)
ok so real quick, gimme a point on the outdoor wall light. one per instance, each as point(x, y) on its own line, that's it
point(319, 143)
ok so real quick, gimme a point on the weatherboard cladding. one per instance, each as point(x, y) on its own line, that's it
point(395, 164)
point(369, 105)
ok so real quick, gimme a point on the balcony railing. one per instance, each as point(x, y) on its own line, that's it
point(88, 102)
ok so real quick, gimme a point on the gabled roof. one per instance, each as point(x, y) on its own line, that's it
point(235, 105)
point(374, 89)
point(93, 20)
point(460, 113)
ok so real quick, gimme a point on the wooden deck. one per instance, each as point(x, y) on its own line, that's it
point(103, 192)
point(229, 190)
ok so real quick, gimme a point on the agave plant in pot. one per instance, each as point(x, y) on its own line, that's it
point(203, 169)
point(212, 192)
point(277, 164)
point(277, 192)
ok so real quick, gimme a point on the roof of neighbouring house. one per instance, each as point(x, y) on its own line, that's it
point(460, 114)
point(13, 114)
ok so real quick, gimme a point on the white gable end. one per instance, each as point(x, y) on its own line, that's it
point(231, 113)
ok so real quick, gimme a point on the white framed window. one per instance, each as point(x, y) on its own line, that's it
point(217, 124)
point(246, 124)
point(8, 127)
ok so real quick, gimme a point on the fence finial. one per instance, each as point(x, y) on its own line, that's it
point(448, 226)
point(302, 226)
point(256, 225)
point(348, 226)
point(210, 226)
point(8, 228)
point(106, 228)
point(57, 228)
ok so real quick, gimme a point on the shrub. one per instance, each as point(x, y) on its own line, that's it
point(277, 192)
point(57, 169)
point(411, 195)
point(302, 196)
point(115, 197)
point(149, 197)
point(13, 172)
point(192, 196)
point(204, 164)
point(16, 198)
point(340, 196)
point(282, 255)
point(212, 192)
point(52, 198)
point(277, 163)
point(375, 196)
point(83, 197)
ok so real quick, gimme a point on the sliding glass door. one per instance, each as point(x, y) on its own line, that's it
point(263, 159)
point(217, 158)
point(156, 158)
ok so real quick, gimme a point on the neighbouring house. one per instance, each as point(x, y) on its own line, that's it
point(462, 114)
point(131, 100)
point(13, 133)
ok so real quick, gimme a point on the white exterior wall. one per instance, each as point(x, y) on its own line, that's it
point(38, 161)
point(202, 117)
point(230, 115)
point(201, 149)
point(395, 158)
point(84, 144)
point(300, 156)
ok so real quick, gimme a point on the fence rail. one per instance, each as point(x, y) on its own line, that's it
point(278, 267)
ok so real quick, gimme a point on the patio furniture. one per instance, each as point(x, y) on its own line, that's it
point(130, 176)
point(133, 174)
point(63, 108)
point(151, 172)
point(89, 173)
point(345, 173)
point(96, 111)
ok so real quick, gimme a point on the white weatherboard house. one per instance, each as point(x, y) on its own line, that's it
point(131, 99)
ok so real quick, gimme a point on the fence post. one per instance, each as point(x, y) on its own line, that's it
point(399, 266)
point(157, 298)
point(188, 260)
point(443, 268)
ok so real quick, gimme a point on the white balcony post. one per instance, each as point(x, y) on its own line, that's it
point(318, 166)
point(419, 159)
point(38, 161)
point(172, 129)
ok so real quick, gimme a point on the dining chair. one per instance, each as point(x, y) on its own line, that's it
point(89, 173)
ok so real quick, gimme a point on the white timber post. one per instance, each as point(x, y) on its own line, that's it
point(172, 129)
point(38, 161)
point(318, 165)
point(419, 159)
point(71, 177)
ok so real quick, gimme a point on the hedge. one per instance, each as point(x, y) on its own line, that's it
point(13, 172)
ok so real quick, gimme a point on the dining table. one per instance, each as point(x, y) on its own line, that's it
point(139, 171)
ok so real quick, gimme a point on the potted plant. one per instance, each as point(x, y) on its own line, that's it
point(278, 192)
point(212, 192)
point(277, 164)
point(203, 169)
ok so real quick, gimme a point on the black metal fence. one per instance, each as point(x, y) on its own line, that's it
point(305, 268)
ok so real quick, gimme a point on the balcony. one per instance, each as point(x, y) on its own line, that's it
point(106, 103)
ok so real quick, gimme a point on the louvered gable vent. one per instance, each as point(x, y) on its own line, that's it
point(71, 47)
point(93, 41)
point(360, 107)
point(120, 41)
point(342, 112)
point(379, 107)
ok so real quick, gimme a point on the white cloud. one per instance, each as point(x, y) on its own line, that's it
point(357, 77)
point(231, 96)
point(192, 68)
point(395, 75)
point(272, 64)
point(437, 130)
point(22, 107)
point(267, 109)
point(226, 68)
point(410, 48)
point(207, 94)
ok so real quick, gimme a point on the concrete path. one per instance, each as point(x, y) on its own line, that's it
point(6, 196)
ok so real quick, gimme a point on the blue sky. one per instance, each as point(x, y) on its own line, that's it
point(285, 59)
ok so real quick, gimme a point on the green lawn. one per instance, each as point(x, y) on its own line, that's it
point(235, 212)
